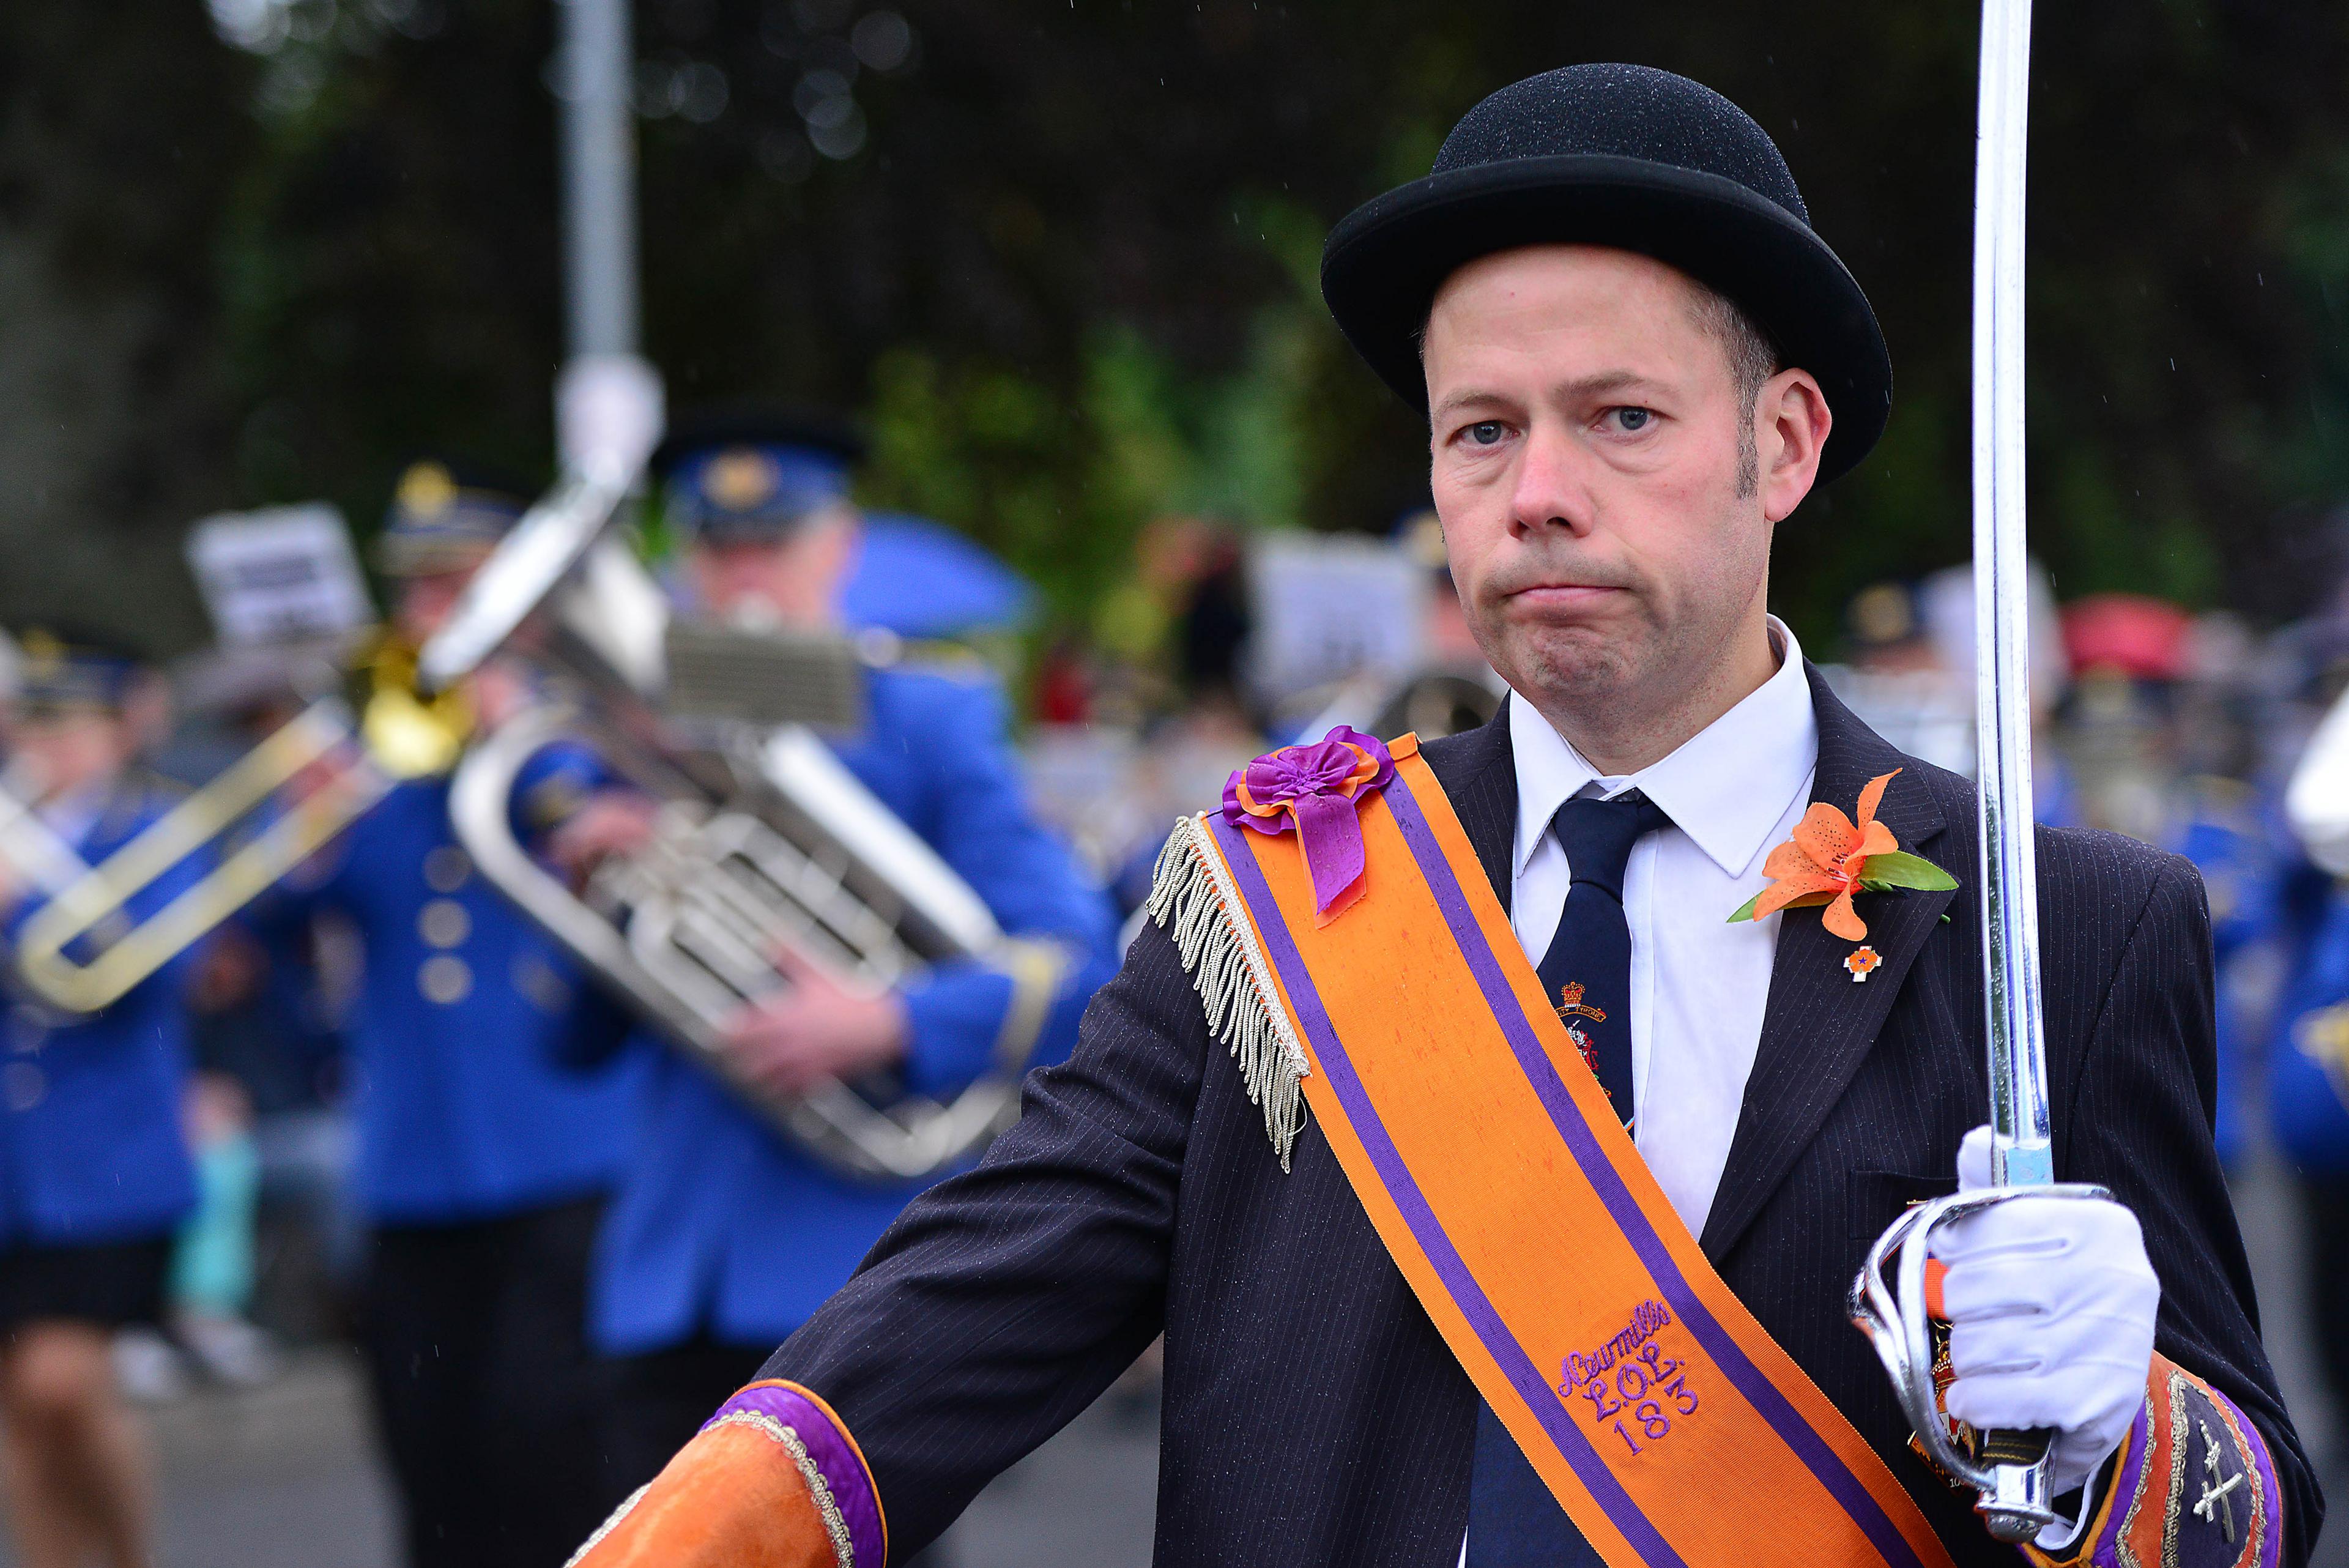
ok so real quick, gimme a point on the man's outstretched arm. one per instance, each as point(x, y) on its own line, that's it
point(994, 1311)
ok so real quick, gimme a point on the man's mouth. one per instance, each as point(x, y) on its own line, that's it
point(1565, 597)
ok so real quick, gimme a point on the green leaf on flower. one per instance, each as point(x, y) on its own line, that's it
point(1746, 910)
point(1899, 870)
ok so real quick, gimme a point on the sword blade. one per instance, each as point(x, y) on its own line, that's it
point(2020, 1149)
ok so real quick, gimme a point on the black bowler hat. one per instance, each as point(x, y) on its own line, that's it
point(1633, 159)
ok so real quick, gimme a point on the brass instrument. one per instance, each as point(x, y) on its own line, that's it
point(83, 950)
point(2316, 801)
point(88, 912)
point(764, 842)
point(1432, 702)
point(1438, 703)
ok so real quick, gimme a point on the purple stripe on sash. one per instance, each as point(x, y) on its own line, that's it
point(1797, 1433)
point(1531, 1384)
point(836, 1458)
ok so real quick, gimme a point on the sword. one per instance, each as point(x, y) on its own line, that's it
point(2009, 1469)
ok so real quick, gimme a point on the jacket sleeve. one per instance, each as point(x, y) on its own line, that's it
point(2139, 1122)
point(1004, 1300)
point(978, 820)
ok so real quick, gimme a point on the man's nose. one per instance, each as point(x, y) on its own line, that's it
point(1552, 487)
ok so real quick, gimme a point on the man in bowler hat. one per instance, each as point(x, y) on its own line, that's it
point(1637, 359)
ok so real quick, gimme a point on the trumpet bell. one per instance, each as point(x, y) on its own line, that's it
point(410, 735)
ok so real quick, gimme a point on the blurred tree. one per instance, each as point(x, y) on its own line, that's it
point(122, 132)
point(393, 249)
point(1062, 252)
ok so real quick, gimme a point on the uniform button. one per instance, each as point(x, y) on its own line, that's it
point(445, 867)
point(23, 1085)
point(535, 979)
point(444, 923)
point(445, 979)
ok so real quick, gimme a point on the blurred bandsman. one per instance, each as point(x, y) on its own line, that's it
point(482, 1165)
point(94, 1170)
point(724, 1234)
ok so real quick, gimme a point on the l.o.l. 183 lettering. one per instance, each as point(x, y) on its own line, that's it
point(1632, 1386)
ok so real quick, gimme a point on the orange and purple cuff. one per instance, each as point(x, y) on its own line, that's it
point(772, 1481)
point(2194, 1486)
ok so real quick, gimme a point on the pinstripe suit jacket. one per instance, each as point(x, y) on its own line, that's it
point(1313, 1416)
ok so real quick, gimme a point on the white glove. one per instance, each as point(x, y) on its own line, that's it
point(2050, 1305)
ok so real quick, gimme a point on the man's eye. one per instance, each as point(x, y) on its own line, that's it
point(1487, 432)
point(1628, 419)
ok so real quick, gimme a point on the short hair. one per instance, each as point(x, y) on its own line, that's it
point(1752, 360)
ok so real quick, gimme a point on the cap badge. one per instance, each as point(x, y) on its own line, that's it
point(741, 478)
point(425, 490)
point(44, 654)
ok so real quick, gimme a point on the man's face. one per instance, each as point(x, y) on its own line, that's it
point(792, 582)
point(425, 600)
point(1587, 439)
point(66, 750)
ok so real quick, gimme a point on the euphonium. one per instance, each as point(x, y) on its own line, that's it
point(764, 842)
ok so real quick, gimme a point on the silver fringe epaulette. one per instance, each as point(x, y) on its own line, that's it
point(1192, 889)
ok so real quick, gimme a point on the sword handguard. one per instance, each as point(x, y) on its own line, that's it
point(2008, 1469)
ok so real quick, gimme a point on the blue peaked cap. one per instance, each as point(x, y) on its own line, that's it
point(751, 491)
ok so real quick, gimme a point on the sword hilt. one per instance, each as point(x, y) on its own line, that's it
point(2027, 1447)
point(2008, 1469)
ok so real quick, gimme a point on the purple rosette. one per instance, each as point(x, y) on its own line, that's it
point(1316, 791)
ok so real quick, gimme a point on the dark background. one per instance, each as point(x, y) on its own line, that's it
point(1060, 255)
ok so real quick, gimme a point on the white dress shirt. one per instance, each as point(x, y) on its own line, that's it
point(1699, 984)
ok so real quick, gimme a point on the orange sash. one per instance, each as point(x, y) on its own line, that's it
point(1668, 1423)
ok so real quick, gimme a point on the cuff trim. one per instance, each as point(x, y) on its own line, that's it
point(2195, 1487)
point(828, 1460)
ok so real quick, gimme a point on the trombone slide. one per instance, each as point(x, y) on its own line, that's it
point(102, 894)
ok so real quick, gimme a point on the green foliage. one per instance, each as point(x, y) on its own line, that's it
point(1063, 257)
point(1061, 480)
point(1897, 869)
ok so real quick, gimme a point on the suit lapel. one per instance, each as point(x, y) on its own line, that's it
point(1478, 771)
point(1818, 1025)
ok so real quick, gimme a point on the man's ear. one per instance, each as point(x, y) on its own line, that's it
point(1791, 421)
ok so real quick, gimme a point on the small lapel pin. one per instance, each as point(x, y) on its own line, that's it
point(1862, 962)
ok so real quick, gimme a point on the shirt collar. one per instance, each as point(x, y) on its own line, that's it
point(1725, 787)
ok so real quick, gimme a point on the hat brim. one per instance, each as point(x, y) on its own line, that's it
point(1385, 261)
point(398, 555)
point(753, 425)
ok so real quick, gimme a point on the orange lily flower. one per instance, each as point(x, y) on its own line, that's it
point(1824, 859)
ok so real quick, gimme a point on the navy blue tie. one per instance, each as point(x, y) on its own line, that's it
point(1513, 1519)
